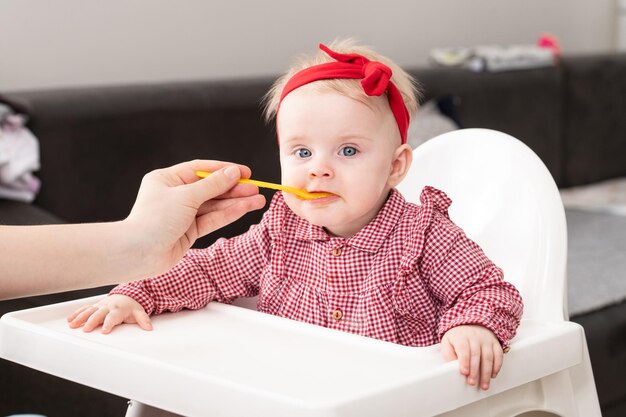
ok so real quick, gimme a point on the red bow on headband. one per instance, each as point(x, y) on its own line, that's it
point(375, 80)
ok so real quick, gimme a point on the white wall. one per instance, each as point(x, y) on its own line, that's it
point(58, 43)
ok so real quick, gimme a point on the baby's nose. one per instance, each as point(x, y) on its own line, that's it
point(321, 171)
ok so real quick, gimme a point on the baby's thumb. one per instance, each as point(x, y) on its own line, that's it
point(447, 350)
point(142, 319)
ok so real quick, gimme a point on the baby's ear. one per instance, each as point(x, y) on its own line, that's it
point(403, 157)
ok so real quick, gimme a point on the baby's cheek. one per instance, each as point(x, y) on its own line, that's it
point(293, 203)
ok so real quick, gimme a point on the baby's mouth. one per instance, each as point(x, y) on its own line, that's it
point(320, 195)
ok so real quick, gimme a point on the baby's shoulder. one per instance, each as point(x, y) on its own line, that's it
point(433, 209)
point(425, 229)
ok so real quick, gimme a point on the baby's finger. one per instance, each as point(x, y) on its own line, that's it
point(143, 320)
point(95, 319)
point(111, 320)
point(462, 350)
point(76, 312)
point(447, 350)
point(82, 317)
point(474, 362)
point(497, 359)
point(486, 366)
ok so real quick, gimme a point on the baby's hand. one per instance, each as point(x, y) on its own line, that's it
point(110, 311)
point(478, 351)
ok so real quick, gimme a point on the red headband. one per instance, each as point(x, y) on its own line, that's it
point(375, 80)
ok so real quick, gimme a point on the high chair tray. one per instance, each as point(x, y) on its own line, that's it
point(225, 360)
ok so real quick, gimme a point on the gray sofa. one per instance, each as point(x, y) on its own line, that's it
point(96, 143)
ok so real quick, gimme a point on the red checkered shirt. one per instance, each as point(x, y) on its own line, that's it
point(407, 277)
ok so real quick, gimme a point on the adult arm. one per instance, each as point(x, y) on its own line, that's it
point(173, 209)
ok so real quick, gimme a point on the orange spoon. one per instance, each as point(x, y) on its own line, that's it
point(303, 194)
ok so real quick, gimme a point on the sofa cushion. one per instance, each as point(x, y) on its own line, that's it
point(596, 263)
point(595, 126)
point(19, 213)
point(525, 104)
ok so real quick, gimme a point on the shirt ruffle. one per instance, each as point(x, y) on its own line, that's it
point(434, 203)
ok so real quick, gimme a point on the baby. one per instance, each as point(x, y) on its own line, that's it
point(362, 260)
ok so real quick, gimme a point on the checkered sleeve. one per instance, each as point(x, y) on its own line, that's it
point(228, 269)
point(469, 286)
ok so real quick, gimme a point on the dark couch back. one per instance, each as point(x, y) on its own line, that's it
point(525, 104)
point(96, 143)
point(594, 105)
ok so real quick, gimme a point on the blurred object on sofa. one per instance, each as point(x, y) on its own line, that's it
point(494, 58)
point(19, 157)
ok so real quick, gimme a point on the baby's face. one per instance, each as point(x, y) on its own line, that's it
point(336, 144)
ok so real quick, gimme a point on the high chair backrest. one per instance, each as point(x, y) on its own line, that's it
point(505, 199)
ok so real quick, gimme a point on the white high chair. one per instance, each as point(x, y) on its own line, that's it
point(228, 361)
point(506, 200)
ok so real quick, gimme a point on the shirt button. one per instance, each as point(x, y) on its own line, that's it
point(337, 314)
point(336, 251)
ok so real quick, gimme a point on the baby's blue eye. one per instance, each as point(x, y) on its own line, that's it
point(303, 153)
point(348, 151)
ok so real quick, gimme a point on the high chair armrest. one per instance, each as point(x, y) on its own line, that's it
point(235, 361)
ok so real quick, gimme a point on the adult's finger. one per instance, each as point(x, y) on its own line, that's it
point(227, 212)
point(221, 204)
point(186, 171)
point(239, 190)
point(214, 185)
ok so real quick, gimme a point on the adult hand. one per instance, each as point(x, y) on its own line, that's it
point(174, 207)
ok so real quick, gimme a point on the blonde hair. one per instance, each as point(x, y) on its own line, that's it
point(406, 84)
